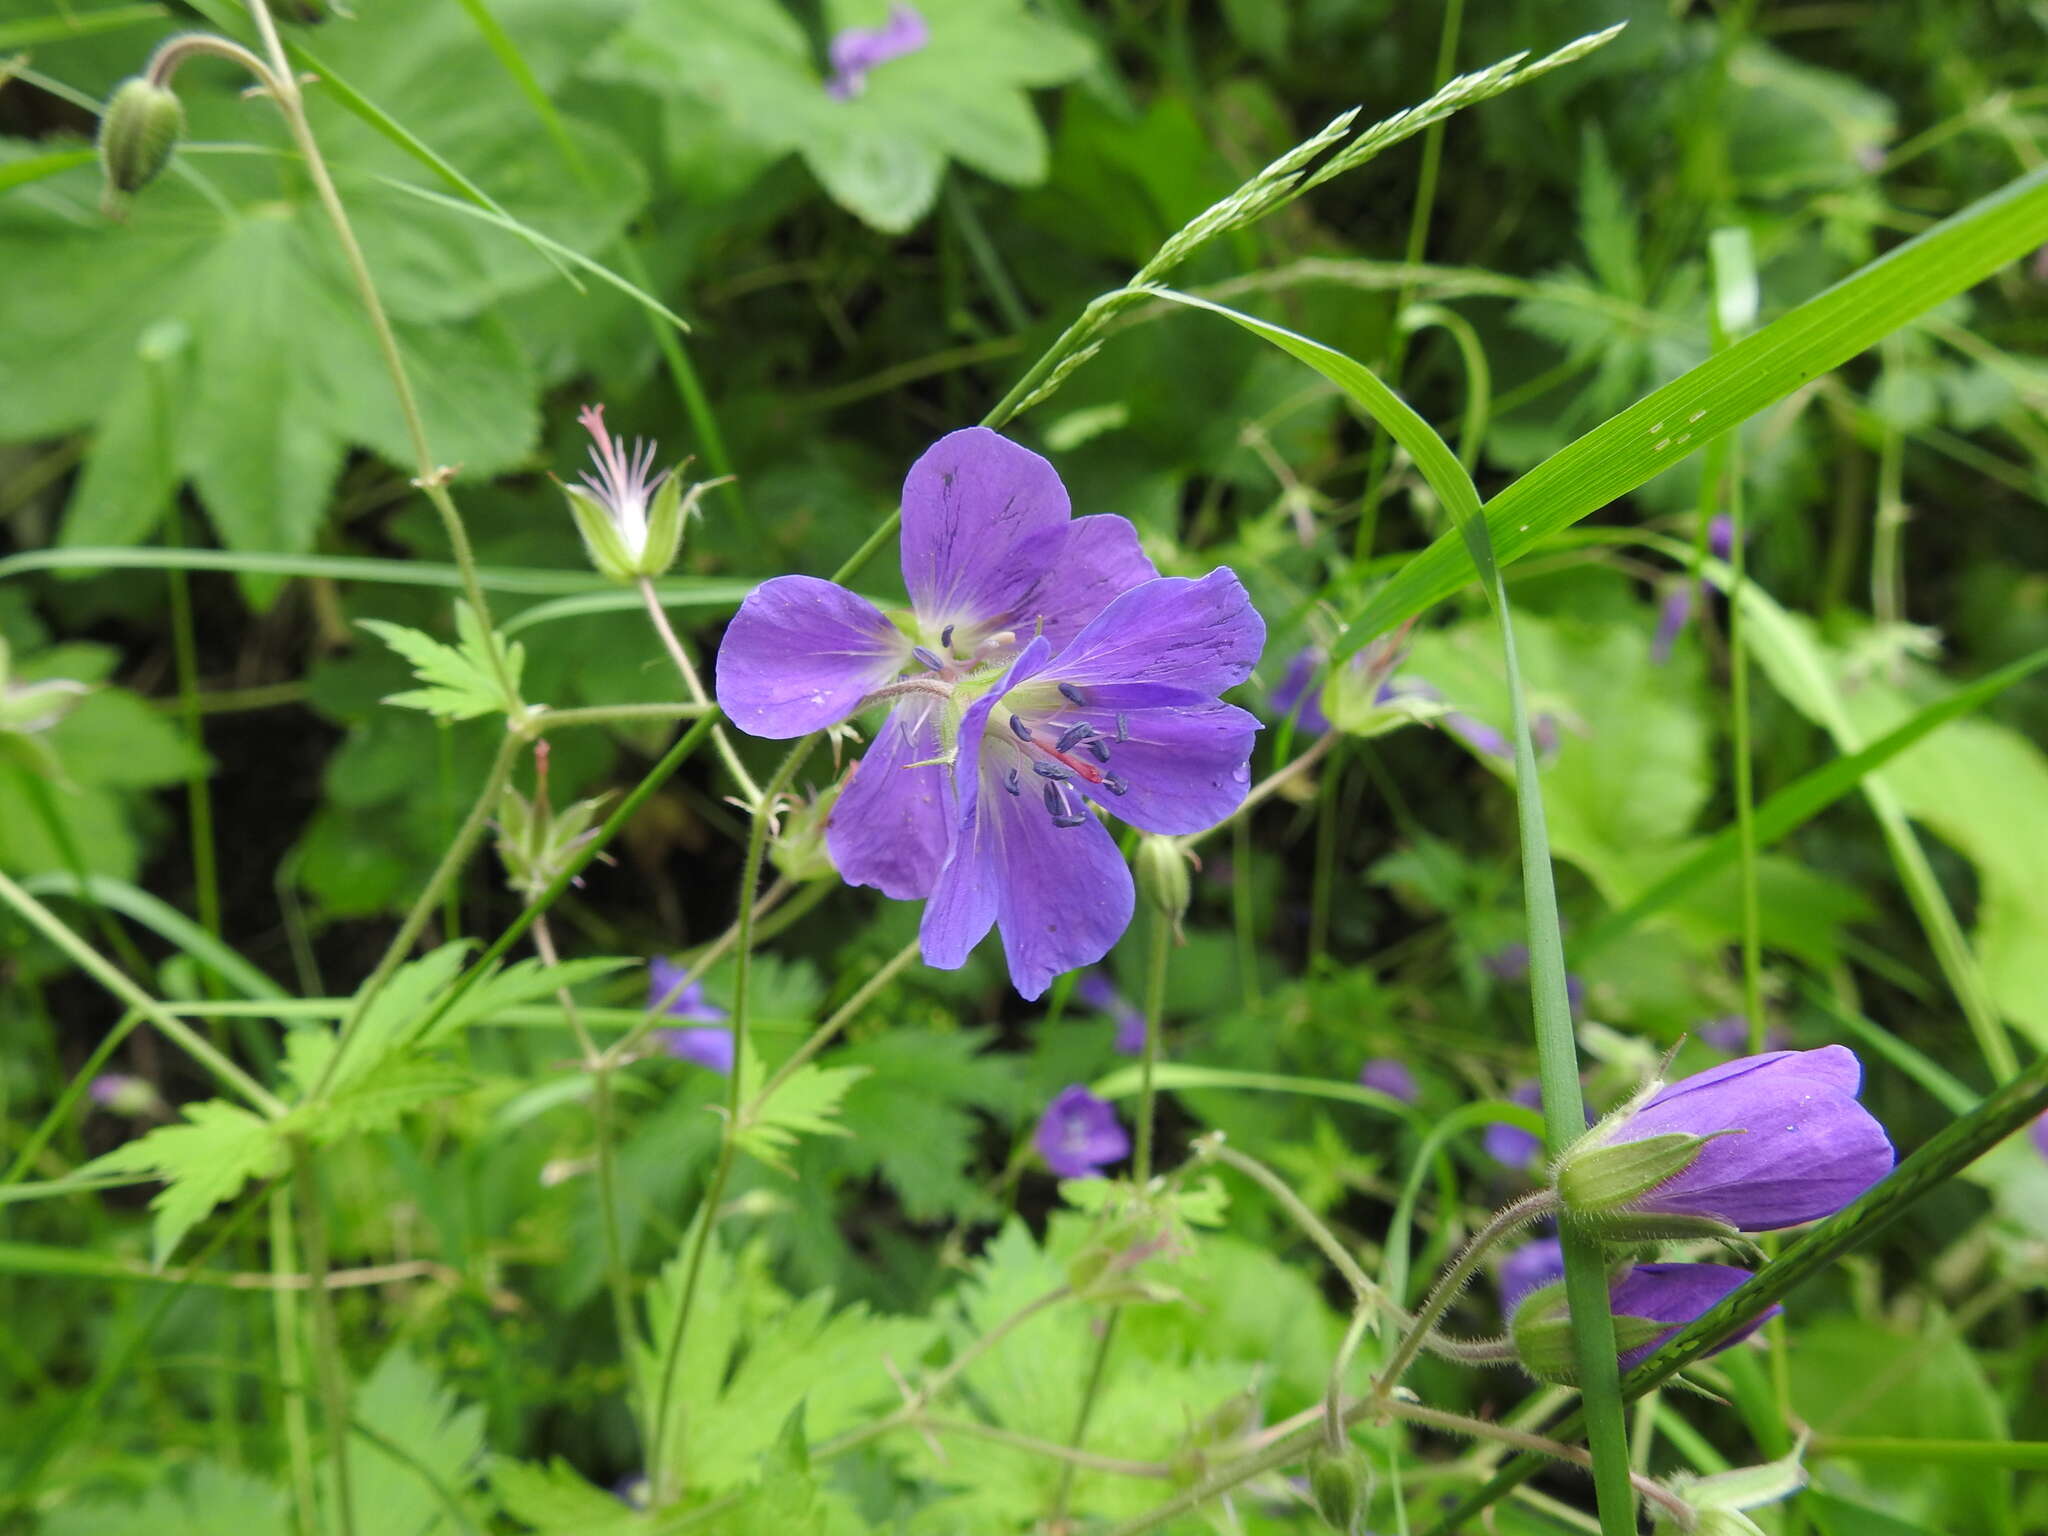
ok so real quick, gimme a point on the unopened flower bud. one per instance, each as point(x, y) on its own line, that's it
point(1163, 876)
point(1340, 1482)
point(1717, 1502)
point(1595, 1181)
point(122, 1094)
point(141, 126)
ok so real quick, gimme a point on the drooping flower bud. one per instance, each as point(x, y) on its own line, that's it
point(1340, 1483)
point(138, 131)
point(1755, 1144)
point(1163, 876)
point(1651, 1302)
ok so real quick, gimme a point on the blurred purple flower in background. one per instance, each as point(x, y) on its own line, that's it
point(121, 1093)
point(1530, 1268)
point(1802, 1147)
point(1510, 1145)
point(1385, 1075)
point(1298, 689)
point(1097, 991)
point(1730, 1033)
point(2039, 1132)
point(856, 50)
point(677, 998)
point(1079, 1135)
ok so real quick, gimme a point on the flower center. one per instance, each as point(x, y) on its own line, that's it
point(1059, 751)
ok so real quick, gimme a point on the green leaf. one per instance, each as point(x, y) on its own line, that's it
point(423, 1454)
point(204, 1500)
point(913, 1119)
point(882, 154)
point(526, 982)
point(556, 1500)
point(805, 1104)
point(462, 683)
point(202, 1163)
point(1731, 386)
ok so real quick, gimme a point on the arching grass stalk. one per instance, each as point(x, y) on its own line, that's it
point(660, 1474)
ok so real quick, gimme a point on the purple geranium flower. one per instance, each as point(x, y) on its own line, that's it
point(1510, 1145)
point(1645, 1294)
point(1790, 1142)
point(670, 990)
point(1299, 690)
point(991, 552)
point(856, 50)
point(1079, 1136)
point(1730, 1032)
point(1385, 1075)
point(1097, 991)
point(1138, 685)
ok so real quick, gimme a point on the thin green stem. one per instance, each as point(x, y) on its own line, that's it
point(430, 476)
point(1155, 1022)
point(291, 1366)
point(111, 933)
point(828, 1031)
point(727, 753)
point(701, 962)
point(1090, 1390)
point(1505, 1222)
point(101, 970)
point(198, 791)
point(429, 898)
point(60, 1112)
point(660, 1474)
point(327, 1361)
point(612, 714)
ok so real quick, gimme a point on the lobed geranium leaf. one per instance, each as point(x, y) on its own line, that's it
point(202, 1162)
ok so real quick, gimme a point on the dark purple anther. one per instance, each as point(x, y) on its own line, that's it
point(1072, 734)
point(1123, 727)
point(929, 658)
point(1051, 771)
point(1073, 695)
point(1055, 802)
point(1115, 785)
point(1010, 782)
point(1020, 729)
point(946, 637)
point(1098, 749)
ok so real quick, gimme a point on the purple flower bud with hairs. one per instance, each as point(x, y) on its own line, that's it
point(1651, 1303)
point(856, 50)
point(1758, 1143)
point(1097, 991)
point(1385, 1075)
point(1079, 1135)
point(670, 989)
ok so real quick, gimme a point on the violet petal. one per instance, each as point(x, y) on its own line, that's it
point(891, 823)
point(801, 654)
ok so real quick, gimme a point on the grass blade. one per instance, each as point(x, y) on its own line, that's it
point(1670, 423)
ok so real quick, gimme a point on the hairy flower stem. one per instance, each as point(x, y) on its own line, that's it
point(603, 1117)
point(283, 87)
point(291, 1367)
point(1155, 1021)
point(429, 898)
point(109, 976)
point(660, 1475)
point(327, 1361)
point(828, 1031)
point(694, 685)
point(1507, 1221)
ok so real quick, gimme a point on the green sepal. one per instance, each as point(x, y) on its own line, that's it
point(1542, 1333)
point(665, 527)
point(1163, 877)
point(601, 536)
point(1593, 1181)
point(1618, 1228)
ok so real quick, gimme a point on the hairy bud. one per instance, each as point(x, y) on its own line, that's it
point(1340, 1482)
point(1163, 877)
point(139, 130)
